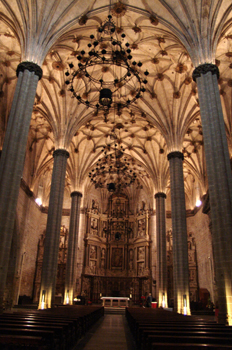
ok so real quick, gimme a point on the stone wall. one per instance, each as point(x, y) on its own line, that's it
point(31, 223)
point(199, 226)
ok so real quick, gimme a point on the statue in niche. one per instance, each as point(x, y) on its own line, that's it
point(63, 230)
point(94, 223)
point(62, 241)
point(141, 228)
point(104, 231)
point(141, 252)
point(92, 266)
point(169, 239)
point(94, 207)
point(103, 252)
point(143, 207)
point(103, 264)
point(93, 252)
point(94, 204)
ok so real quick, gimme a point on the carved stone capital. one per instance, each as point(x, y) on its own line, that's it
point(205, 68)
point(160, 195)
point(60, 152)
point(32, 67)
point(76, 193)
point(175, 154)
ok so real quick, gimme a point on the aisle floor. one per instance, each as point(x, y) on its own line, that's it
point(111, 332)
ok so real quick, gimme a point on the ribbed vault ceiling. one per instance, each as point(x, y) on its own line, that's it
point(166, 118)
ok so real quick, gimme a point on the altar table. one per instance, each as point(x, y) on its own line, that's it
point(119, 299)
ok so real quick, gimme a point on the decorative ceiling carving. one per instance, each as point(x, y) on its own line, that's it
point(165, 119)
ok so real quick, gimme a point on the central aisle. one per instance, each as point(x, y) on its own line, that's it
point(110, 333)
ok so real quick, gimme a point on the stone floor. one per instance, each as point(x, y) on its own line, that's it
point(111, 332)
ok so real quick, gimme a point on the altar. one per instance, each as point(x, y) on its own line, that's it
point(118, 299)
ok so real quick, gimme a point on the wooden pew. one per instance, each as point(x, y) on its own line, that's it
point(47, 336)
point(151, 328)
point(184, 346)
point(59, 334)
point(153, 342)
point(144, 330)
point(66, 325)
point(21, 342)
point(188, 336)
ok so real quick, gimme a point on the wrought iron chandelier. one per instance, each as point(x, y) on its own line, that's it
point(106, 76)
point(114, 169)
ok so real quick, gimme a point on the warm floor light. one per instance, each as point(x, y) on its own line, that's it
point(198, 203)
point(38, 201)
point(42, 303)
point(185, 305)
point(163, 302)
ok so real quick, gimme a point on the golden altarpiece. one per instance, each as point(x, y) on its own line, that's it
point(117, 251)
point(117, 255)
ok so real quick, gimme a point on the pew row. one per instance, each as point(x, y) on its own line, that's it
point(51, 329)
point(160, 329)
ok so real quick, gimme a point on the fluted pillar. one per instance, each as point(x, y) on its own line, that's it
point(179, 231)
point(220, 183)
point(161, 249)
point(71, 264)
point(12, 158)
point(52, 237)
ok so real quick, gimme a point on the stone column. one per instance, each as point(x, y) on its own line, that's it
point(12, 158)
point(220, 183)
point(152, 232)
point(71, 264)
point(52, 237)
point(161, 249)
point(179, 230)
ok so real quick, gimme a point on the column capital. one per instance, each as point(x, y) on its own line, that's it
point(175, 154)
point(76, 193)
point(205, 68)
point(60, 152)
point(160, 195)
point(31, 66)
